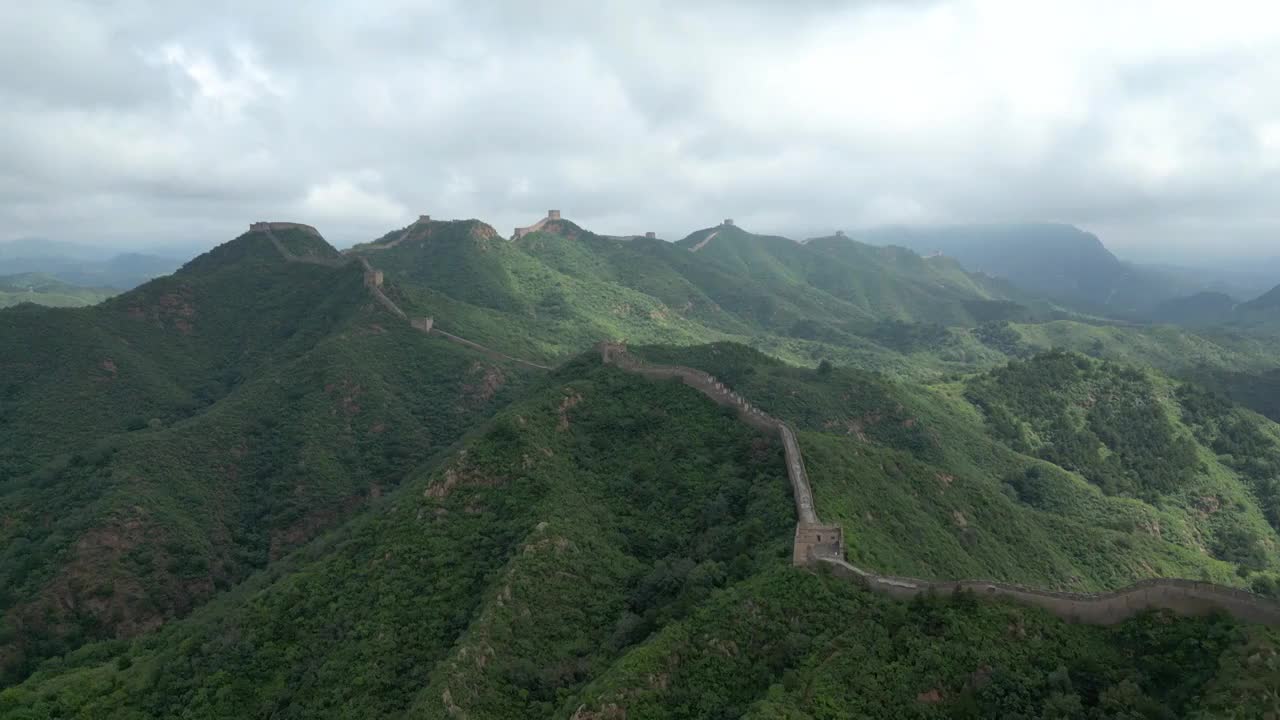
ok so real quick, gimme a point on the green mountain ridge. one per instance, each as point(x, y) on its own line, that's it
point(162, 445)
point(42, 289)
point(1057, 261)
point(278, 499)
point(591, 613)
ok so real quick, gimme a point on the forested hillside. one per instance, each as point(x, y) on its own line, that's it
point(555, 291)
point(1059, 471)
point(158, 448)
point(525, 577)
point(254, 488)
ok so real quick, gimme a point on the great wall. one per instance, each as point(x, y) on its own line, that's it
point(373, 280)
point(819, 545)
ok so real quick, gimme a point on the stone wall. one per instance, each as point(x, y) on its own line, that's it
point(820, 545)
point(616, 354)
point(267, 226)
point(813, 541)
point(1182, 597)
point(522, 231)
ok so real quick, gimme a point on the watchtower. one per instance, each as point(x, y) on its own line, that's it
point(424, 218)
point(728, 221)
point(817, 541)
point(651, 235)
point(553, 214)
point(839, 233)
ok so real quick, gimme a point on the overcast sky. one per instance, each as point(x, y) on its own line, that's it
point(1156, 125)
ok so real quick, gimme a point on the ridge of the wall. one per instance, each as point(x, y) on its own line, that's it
point(819, 545)
point(270, 228)
point(373, 280)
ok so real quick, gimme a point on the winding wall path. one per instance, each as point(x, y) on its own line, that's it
point(373, 281)
point(819, 545)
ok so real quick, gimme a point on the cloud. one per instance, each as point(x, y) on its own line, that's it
point(344, 200)
point(1142, 121)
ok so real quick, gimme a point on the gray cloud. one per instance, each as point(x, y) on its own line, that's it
point(133, 121)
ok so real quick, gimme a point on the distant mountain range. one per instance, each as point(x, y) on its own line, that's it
point(84, 265)
point(43, 289)
point(1064, 262)
point(266, 486)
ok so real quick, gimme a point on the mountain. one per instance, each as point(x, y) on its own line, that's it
point(1208, 309)
point(558, 289)
point(159, 447)
point(1050, 471)
point(46, 290)
point(1205, 308)
point(400, 481)
point(83, 265)
point(1051, 260)
point(1265, 303)
point(525, 576)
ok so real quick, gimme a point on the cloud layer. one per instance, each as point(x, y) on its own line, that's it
point(1155, 124)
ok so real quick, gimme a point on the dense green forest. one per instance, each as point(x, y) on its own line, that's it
point(525, 577)
point(197, 428)
point(247, 489)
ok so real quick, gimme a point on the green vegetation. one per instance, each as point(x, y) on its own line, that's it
point(247, 490)
point(928, 484)
point(156, 449)
point(1101, 420)
point(555, 292)
point(789, 645)
point(46, 290)
point(525, 577)
point(509, 575)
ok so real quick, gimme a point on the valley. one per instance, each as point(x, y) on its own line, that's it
point(408, 480)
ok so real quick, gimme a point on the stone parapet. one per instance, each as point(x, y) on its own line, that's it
point(263, 226)
point(821, 545)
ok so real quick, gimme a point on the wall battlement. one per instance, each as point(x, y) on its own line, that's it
point(817, 541)
point(263, 226)
point(522, 231)
point(822, 546)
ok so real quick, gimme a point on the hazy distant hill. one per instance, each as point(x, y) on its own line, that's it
point(84, 265)
point(1049, 259)
point(1204, 308)
point(46, 290)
